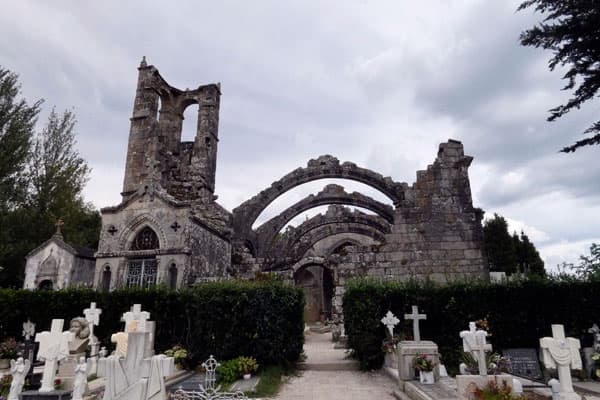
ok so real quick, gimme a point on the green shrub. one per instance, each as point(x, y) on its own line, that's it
point(260, 319)
point(518, 313)
point(229, 371)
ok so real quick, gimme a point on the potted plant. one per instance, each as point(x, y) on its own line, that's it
point(8, 351)
point(248, 365)
point(424, 364)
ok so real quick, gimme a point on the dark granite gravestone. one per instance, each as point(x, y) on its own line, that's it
point(524, 363)
point(53, 395)
point(28, 350)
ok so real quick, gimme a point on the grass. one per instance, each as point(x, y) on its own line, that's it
point(271, 379)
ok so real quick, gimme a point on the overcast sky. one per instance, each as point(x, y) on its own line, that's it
point(379, 83)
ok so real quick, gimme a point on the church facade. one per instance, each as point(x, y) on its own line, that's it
point(169, 228)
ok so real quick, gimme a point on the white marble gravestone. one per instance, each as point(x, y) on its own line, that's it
point(28, 330)
point(416, 317)
point(559, 352)
point(390, 321)
point(474, 342)
point(92, 316)
point(54, 346)
point(136, 377)
point(409, 349)
point(136, 314)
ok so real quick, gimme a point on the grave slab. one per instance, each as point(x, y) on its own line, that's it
point(53, 395)
point(466, 384)
point(407, 350)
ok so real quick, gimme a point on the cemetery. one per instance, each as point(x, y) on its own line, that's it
point(429, 342)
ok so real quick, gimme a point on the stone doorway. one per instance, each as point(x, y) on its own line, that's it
point(317, 283)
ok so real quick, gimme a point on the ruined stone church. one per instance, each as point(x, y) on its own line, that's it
point(170, 229)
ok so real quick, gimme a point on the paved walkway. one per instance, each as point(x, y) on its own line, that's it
point(328, 375)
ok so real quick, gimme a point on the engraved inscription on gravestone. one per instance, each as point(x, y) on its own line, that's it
point(524, 363)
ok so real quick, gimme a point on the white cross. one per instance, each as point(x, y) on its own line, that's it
point(28, 329)
point(136, 314)
point(564, 352)
point(54, 346)
point(92, 315)
point(390, 321)
point(474, 341)
point(415, 316)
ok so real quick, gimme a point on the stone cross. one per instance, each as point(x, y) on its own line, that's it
point(92, 316)
point(136, 314)
point(390, 321)
point(135, 377)
point(415, 316)
point(54, 346)
point(474, 341)
point(562, 353)
point(28, 330)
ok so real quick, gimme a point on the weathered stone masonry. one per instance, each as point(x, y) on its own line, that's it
point(169, 219)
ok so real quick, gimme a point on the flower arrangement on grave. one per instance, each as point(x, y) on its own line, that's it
point(248, 365)
point(390, 344)
point(423, 363)
point(5, 383)
point(495, 392)
point(496, 364)
point(180, 354)
point(484, 325)
point(58, 384)
point(9, 349)
point(596, 359)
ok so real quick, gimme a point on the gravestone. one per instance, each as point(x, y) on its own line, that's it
point(390, 321)
point(92, 315)
point(135, 377)
point(524, 363)
point(54, 346)
point(28, 350)
point(416, 317)
point(474, 342)
point(588, 352)
point(409, 349)
point(562, 353)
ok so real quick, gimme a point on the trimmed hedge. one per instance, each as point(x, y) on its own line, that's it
point(227, 319)
point(518, 313)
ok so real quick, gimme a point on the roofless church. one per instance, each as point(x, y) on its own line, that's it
point(169, 228)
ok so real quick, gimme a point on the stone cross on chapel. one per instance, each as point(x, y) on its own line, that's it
point(54, 346)
point(390, 321)
point(474, 342)
point(564, 353)
point(416, 317)
point(136, 314)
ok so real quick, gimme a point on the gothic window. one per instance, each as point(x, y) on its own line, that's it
point(146, 239)
point(106, 275)
point(173, 277)
point(142, 272)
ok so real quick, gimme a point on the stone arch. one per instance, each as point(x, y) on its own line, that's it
point(135, 226)
point(299, 248)
point(340, 244)
point(317, 282)
point(323, 167)
point(331, 194)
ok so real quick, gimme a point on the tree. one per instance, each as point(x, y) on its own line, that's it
point(528, 258)
point(54, 178)
point(508, 253)
point(589, 266)
point(571, 29)
point(17, 123)
point(499, 245)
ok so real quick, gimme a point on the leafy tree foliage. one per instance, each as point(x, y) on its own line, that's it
point(41, 180)
point(589, 266)
point(499, 245)
point(508, 253)
point(571, 30)
point(17, 122)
